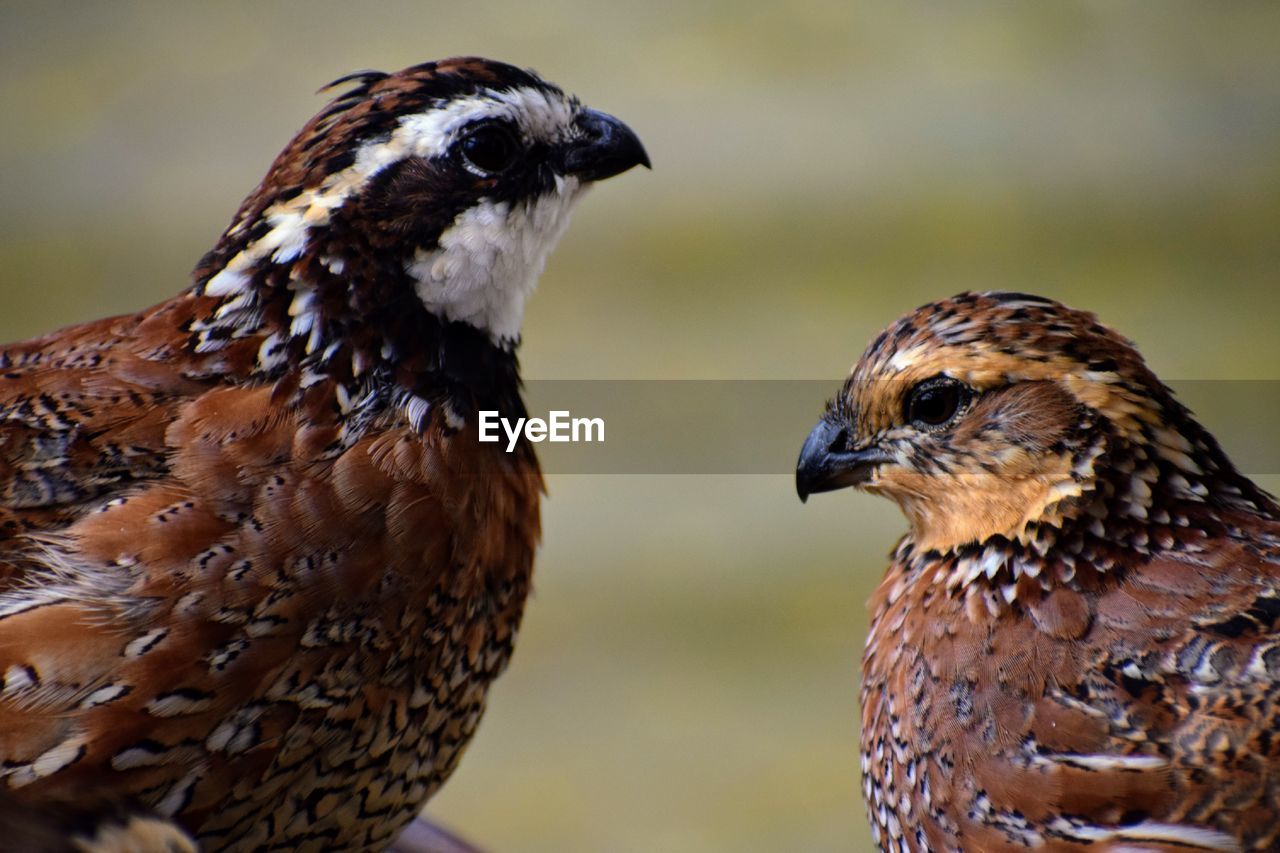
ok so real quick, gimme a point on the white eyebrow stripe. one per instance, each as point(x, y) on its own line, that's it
point(429, 134)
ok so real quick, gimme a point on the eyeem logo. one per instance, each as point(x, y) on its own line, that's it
point(560, 426)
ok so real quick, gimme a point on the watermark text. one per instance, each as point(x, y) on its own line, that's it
point(559, 426)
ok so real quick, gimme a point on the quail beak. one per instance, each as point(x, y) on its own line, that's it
point(606, 147)
point(825, 465)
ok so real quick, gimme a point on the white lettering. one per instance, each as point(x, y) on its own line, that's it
point(489, 421)
point(588, 426)
point(560, 426)
point(559, 423)
point(513, 435)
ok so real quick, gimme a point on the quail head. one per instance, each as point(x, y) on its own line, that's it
point(256, 572)
point(1077, 644)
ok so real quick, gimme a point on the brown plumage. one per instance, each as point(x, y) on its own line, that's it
point(1077, 645)
point(87, 825)
point(258, 572)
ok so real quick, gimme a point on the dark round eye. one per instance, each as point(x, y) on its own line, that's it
point(490, 148)
point(935, 402)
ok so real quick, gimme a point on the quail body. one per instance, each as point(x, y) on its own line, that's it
point(1077, 645)
point(256, 571)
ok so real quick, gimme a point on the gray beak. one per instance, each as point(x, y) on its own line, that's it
point(606, 148)
point(825, 465)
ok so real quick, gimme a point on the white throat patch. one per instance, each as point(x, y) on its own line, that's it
point(490, 258)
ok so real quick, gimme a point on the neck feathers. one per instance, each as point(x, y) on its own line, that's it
point(351, 322)
point(1132, 492)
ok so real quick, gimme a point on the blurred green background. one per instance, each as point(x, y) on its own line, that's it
point(686, 678)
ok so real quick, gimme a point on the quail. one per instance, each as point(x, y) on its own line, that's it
point(256, 571)
point(1077, 644)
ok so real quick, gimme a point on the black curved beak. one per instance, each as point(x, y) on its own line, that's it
point(826, 465)
point(607, 147)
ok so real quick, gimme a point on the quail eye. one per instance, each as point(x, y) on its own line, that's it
point(490, 148)
point(936, 402)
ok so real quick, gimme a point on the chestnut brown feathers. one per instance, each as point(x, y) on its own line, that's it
point(258, 573)
point(1077, 645)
